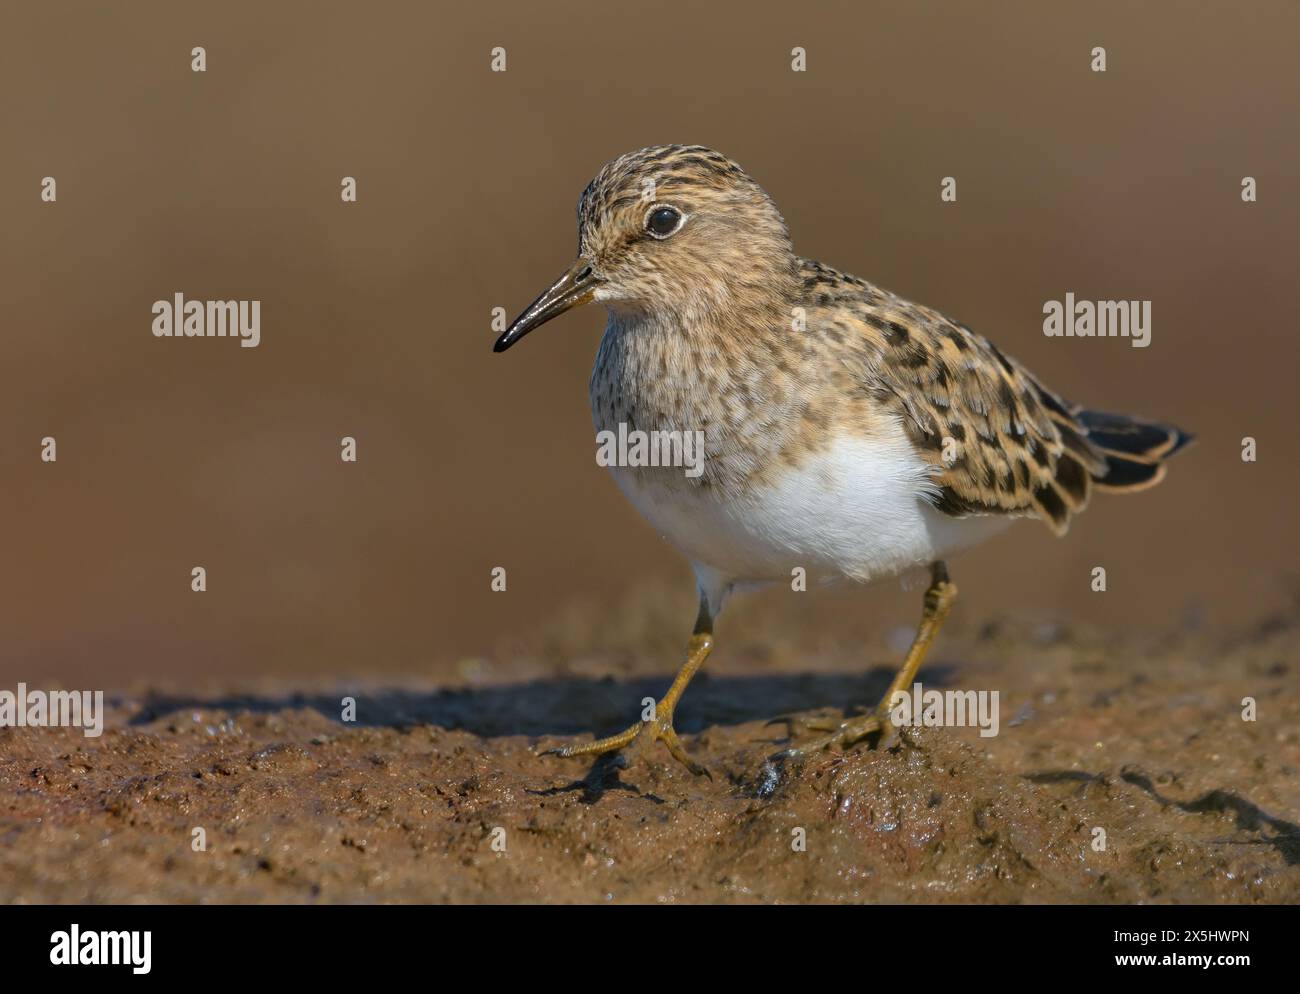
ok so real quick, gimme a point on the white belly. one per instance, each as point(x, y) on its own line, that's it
point(857, 510)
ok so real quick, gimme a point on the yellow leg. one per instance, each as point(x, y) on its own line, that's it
point(644, 733)
point(939, 598)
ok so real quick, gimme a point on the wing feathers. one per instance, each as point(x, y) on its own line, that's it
point(999, 441)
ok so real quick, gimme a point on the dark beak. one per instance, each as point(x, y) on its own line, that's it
point(575, 287)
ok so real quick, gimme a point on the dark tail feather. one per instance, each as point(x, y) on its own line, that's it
point(1135, 450)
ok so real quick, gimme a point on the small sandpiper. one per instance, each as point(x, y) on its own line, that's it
point(848, 433)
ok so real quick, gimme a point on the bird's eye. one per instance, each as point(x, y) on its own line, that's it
point(663, 221)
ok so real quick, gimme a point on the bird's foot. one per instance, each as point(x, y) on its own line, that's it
point(634, 741)
point(844, 734)
point(799, 724)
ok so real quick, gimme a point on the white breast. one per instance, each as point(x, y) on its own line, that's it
point(858, 510)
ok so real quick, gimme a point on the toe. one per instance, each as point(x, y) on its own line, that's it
point(668, 734)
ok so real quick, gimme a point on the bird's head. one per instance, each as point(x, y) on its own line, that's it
point(673, 228)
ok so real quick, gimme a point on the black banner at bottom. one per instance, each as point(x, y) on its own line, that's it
point(140, 944)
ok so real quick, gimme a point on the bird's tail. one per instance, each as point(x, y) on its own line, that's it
point(1135, 450)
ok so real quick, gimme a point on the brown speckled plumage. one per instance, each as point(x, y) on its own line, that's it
point(778, 353)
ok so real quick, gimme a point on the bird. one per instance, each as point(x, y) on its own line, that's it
point(847, 432)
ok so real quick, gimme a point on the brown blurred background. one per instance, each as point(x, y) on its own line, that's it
point(375, 315)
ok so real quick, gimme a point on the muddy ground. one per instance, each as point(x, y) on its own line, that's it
point(1140, 738)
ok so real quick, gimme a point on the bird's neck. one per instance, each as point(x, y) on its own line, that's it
point(698, 367)
point(737, 321)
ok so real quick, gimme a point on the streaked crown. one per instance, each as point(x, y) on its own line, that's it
point(681, 226)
